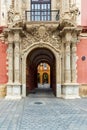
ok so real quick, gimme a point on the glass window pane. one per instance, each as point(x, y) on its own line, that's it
point(38, 12)
point(38, 6)
point(48, 6)
point(49, 18)
point(32, 18)
point(35, 12)
point(38, 18)
point(32, 6)
point(35, 18)
point(48, 12)
point(42, 6)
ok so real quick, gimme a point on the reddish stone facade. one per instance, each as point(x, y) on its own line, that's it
point(3, 66)
point(82, 47)
point(84, 12)
point(3, 59)
point(82, 51)
point(82, 61)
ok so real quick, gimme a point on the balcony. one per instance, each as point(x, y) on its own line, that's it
point(52, 15)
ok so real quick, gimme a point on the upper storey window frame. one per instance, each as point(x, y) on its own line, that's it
point(40, 10)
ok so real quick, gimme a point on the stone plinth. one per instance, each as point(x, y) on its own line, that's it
point(13, 91)
point(83, 90)
point(58, 90)
point(2, 91)
point(70, 91)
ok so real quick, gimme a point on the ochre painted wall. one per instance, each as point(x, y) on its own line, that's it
point(83, 12)
point(82, 65)
point(41, 71)
point(3, 66)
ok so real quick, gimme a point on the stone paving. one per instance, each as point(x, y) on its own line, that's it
point(43, 112)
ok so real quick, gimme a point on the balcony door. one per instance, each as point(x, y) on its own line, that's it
point(40, 10)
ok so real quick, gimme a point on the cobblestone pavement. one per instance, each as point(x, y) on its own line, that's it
point(43, 112)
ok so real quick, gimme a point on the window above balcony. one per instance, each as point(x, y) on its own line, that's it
point(40, 10)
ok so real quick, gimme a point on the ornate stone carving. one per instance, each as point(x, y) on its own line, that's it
point(41, 31)
point(67, 63)
point(11, 14)
point(16, 37)
point(41, 34)
point(74, 59)
point(74, 11)
point(10, 63)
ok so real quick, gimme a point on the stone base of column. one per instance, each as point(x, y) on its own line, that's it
point(2, 90)
point(70, 91)
point(13, 91)
point(83, 90)
point(58, 90)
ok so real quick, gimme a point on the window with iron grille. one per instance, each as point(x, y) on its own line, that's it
point(40, 10)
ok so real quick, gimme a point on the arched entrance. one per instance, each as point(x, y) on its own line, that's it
point(34, 58)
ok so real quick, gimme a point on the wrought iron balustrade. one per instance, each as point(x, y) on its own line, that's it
point(44, 15)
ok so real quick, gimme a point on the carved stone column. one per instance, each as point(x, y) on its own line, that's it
point(74, 75)
point(67, 63)
point(70, 88)
point(58, 75)
point(10, 58)
point(14, 88)
point(10, 64)
point(16, 57)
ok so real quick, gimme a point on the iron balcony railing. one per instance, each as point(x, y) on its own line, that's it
point(43, 15)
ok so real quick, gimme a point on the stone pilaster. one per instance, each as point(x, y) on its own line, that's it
point(70, 89)
point(74, 74)
point(14, 86)
point(16, 57)
point(67, 63)
point(58, 75)
point(10, 65)
point(10, 58)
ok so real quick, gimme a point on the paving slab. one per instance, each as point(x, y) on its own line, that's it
point(43, 112)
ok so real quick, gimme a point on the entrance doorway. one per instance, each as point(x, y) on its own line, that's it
point(36, 59)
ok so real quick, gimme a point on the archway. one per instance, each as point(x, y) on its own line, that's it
point(34, 58)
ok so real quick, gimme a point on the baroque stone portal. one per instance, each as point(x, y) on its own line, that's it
point(58, 37)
